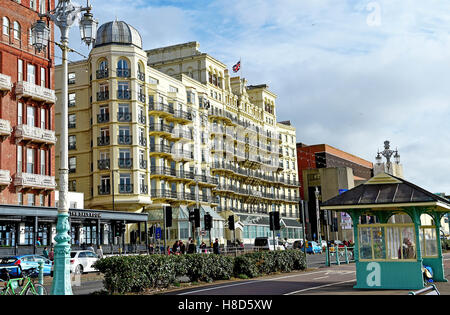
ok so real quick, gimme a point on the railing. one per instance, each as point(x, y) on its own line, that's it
point(125, 188)
point(123, 116)
point(124, 139)
point(123, 94)
point(101, 74)
point(35, 134)
point(123, 73)
point(102, 118)
point(338, 253)
point(35, 92)
point(103, 164)
point(125, 162)
point(102, 141)
point(36, 181)
point(141, 76)
point(143, 164)
point(102, 96)
point(104, 190)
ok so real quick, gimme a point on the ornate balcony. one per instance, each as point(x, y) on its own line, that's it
point(35, 181)
point(34, 134)
point(5, 129)
point(103, 164)
point(5, 178)
point(35, 92)
point(5, 83)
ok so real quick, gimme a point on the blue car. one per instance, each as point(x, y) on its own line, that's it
point(25, 262)
point(313, 248)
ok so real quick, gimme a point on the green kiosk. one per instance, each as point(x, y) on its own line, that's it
point(396, 228)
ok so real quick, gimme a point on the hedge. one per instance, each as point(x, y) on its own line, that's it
point(136, 273)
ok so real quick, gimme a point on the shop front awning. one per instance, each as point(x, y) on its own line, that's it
point(248, 219)
point(212, 212)
point(290, 223)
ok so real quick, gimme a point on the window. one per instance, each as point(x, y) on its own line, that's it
point(19, 159)
point(33, 4)
point(72, 164)
point(71, 78)
point(173, 89)
point(42, 6)
point(5, 26)
point(72, 142)
point(19, 113)
point(72, 121)
point(43, 77)
point(42, 162)
point(30, 160)
point(16, 30)
point(31, 73)
point(43, 118)
point(30, 199)
point(19, 70)
point(71, 99)
point(153, 80)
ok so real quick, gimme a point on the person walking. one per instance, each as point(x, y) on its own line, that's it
point(45, 252)
point(216, 249)
point(203, 247)
point(182, 247)
point(100, 251)
point(51, 254)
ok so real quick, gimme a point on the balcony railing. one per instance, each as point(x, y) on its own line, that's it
point(123, 73)
point(141, 97)
point(125, 188)
point(5, 128)
point(141, 76)
point(103, 118)
point(101, 74)
point(160, 148)
point(123, 94)
point(35, 134)
point(104, 140)
point(125, 162)
point(142, 141)
point(5, 178)
point(125, 139)
point(160, 128)
point(143, 164)
point(159, 170)
point(167, 194)
point(144, 189)
point(103, 164)
point(35, 92)
point(123, 116)
point(35, 181)
point(102, 96)
point(104, 190)
point(5, 82)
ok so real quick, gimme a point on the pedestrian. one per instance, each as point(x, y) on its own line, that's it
point(150, 248)
point(182, 248)
point(100, 251)
point(203, 247)
point(191, 248)
point(45, 252)
point(51, 254)
point(91, 248)
point(216, 249)
point(176, 248)
point(38, 242)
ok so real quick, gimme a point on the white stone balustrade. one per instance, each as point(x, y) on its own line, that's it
point(5, 128)
point(35, 134)
point(5, 178)
point(35, 181)
point(5, 82)
point(35, 92)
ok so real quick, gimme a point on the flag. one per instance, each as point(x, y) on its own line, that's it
point(237, 66)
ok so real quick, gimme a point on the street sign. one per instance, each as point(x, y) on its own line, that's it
point(158, 233)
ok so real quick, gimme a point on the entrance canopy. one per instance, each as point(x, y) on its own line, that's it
point(390, 253)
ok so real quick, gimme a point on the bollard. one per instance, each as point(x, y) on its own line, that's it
point(346, 255)
point(336, 251)
point(327, 259)
point(41, 276)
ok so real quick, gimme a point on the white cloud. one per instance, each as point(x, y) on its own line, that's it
point(338, 79)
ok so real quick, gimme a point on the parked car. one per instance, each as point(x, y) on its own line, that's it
point(313, 248)
point(266, 243)
point(82, 260)
point(26, 262)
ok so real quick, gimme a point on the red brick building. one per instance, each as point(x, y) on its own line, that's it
point(27, 97)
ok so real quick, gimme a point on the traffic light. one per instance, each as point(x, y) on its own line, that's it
point(194, 216)
point(231, 222)
point(168, 210)
point(119, 228)
point(274, 221)
point(150, 231)
point(208, 221)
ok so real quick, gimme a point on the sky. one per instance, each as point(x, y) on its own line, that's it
point(347, 73)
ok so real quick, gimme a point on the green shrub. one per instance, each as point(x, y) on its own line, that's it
point(137, 273)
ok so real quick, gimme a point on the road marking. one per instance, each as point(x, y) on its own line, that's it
point(320, 286)
point(320, 278)
point(249, 282)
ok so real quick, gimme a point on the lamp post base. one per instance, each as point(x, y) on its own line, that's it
point(61, 272)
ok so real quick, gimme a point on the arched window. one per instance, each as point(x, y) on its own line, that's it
point(103, 65)
point(5, 26)
point(16, 30)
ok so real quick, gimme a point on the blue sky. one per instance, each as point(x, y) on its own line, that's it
point(351, 74)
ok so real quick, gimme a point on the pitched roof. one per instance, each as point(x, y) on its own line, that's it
point(384, 189)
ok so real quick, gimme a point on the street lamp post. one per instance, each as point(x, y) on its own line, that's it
point(64, 16)
point(319, 238)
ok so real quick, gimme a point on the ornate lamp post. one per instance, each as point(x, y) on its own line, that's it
point(64, 16)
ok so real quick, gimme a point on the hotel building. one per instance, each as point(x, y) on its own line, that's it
point(170, 126)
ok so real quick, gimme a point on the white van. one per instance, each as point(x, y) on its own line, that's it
point(266, 243)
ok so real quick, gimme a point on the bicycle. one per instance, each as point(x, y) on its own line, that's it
point(28, 287)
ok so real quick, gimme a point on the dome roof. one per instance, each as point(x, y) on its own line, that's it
point(117, 32)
